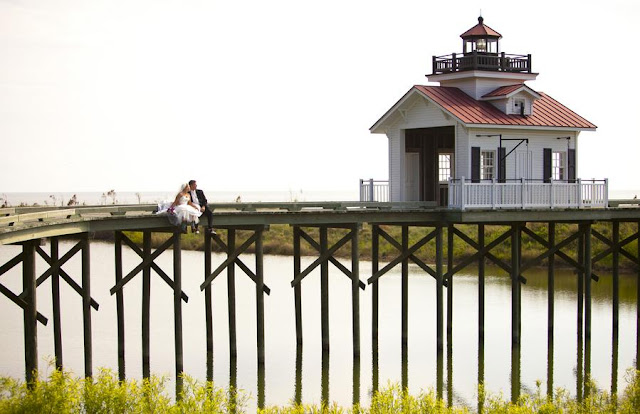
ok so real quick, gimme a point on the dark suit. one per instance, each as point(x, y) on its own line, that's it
point(202, 201)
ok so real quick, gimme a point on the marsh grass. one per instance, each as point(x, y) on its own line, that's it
point(61, 392)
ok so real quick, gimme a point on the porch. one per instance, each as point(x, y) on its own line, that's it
point(513, 194)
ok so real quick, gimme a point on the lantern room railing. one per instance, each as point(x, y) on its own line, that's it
point(481, 61)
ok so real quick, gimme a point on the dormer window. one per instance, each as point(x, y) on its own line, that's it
point(519, 106)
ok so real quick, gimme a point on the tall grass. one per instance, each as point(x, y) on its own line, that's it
point(60, 392)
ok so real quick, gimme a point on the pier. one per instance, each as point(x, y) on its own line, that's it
point(27, 226)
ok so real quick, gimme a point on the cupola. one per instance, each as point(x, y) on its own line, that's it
point(480, 39)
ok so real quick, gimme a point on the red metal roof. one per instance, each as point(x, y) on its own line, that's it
point(547, 112)
point(480, 29)
point(503, 90)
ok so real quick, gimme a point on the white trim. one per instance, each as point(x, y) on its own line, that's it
point(482, 74)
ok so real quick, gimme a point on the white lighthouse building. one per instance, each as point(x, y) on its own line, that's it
point(483, 138)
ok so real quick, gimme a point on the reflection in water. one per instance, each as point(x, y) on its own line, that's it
point(550, 364)
point(356, 380)
point(579, 378)
point(298, 388)
point(324, 389)
point(480, 374)
point(261, 385)
point(374, 367)
point(515, 372)
point(405, 366)
point(439, 364)
point(449, 374)
point(233, 381)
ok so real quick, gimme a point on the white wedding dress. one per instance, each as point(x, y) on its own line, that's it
point(185, 212)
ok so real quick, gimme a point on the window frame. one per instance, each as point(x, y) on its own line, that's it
point(488, 171)
point(559, 165)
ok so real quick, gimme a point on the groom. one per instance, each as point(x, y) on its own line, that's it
point(197, 197)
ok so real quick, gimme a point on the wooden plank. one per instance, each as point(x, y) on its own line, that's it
point(11, 263)
point(324, 257)
point(229, 260)
point(412, 257)
point(22, 303)
point(402, 257)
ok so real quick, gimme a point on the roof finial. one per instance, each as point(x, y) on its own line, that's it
point(480, 19)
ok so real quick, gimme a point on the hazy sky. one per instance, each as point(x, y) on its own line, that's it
point(141, 95)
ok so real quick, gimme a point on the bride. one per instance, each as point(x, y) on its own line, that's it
point(185, 210)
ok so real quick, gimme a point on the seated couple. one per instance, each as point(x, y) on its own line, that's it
point(189, 205)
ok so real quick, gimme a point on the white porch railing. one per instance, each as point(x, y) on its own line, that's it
point(464, 194)
point(374, 190)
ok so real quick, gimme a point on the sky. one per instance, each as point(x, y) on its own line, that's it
point(138, 95)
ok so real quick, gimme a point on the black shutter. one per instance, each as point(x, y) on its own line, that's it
point(475, 164)
point(571, 167)
point(546, 165)
point(502, 164)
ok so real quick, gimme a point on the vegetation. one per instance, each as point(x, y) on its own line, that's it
point(63, 393)
point(279, 241)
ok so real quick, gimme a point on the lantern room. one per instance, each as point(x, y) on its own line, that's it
point(480, 39)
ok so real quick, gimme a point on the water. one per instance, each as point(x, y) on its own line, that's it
point(333, 378)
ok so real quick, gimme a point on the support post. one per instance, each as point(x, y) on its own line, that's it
point(324, 290)
point(30, 311)
point(55, 298)
point(146, 303)
point(86, 307)
point(515, 283)
point(449, 286)
point(177, 311)
point(260, 298)
point(355, 290)
point(551, 237)
point(616, 277)
point(638, 303)
point(208, 306)
point(120, 307)
point(587, 280)
point(375, 239)
point(297, 289)
point(481, 285)
point(405, 286)
point(231, 293)
point(439, 286)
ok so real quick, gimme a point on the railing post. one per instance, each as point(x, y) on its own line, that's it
point(502, 62)
point(361, 193)
point(551, 203)
point(462, 194)
point(529, 63)
point(606, 193)
point(433, 64)
point(454, 63)
point(371, 192)
point(493, 193)
point(522, 192)
point(450, 193)
point(580, 193)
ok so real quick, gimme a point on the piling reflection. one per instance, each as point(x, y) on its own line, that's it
point(261, 386)
point(298, 387)
point(356, 380)
point(233, 382)
point(480, 374)
point(405, 367)
point(449, 374)
point(515, 372)
point(550, 364)
point(374, 367)
point(439, 373)
point(324, 389)
point(614, 363)
point(579, 367)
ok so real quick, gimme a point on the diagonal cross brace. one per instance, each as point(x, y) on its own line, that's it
point(323, 258)
point(64, 275)
point(241, 264)
point(229, 260)
point(21, 302)
point(332, 259)
point(621, 244)
point(486, 251)
point(413, 258)
point(64, 259)
point(11, 263)
point(556, 250)
point(145, 262)
point(154, 266)
point(400, 258)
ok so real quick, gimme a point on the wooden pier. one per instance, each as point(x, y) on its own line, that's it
point(27, 226)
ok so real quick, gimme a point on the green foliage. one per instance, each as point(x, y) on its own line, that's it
point(62, 393)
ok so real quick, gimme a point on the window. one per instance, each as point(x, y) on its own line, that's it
point(558, 166)
point(487, 165)
point(444, 167)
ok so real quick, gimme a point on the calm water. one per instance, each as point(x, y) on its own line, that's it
point(332, 378)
